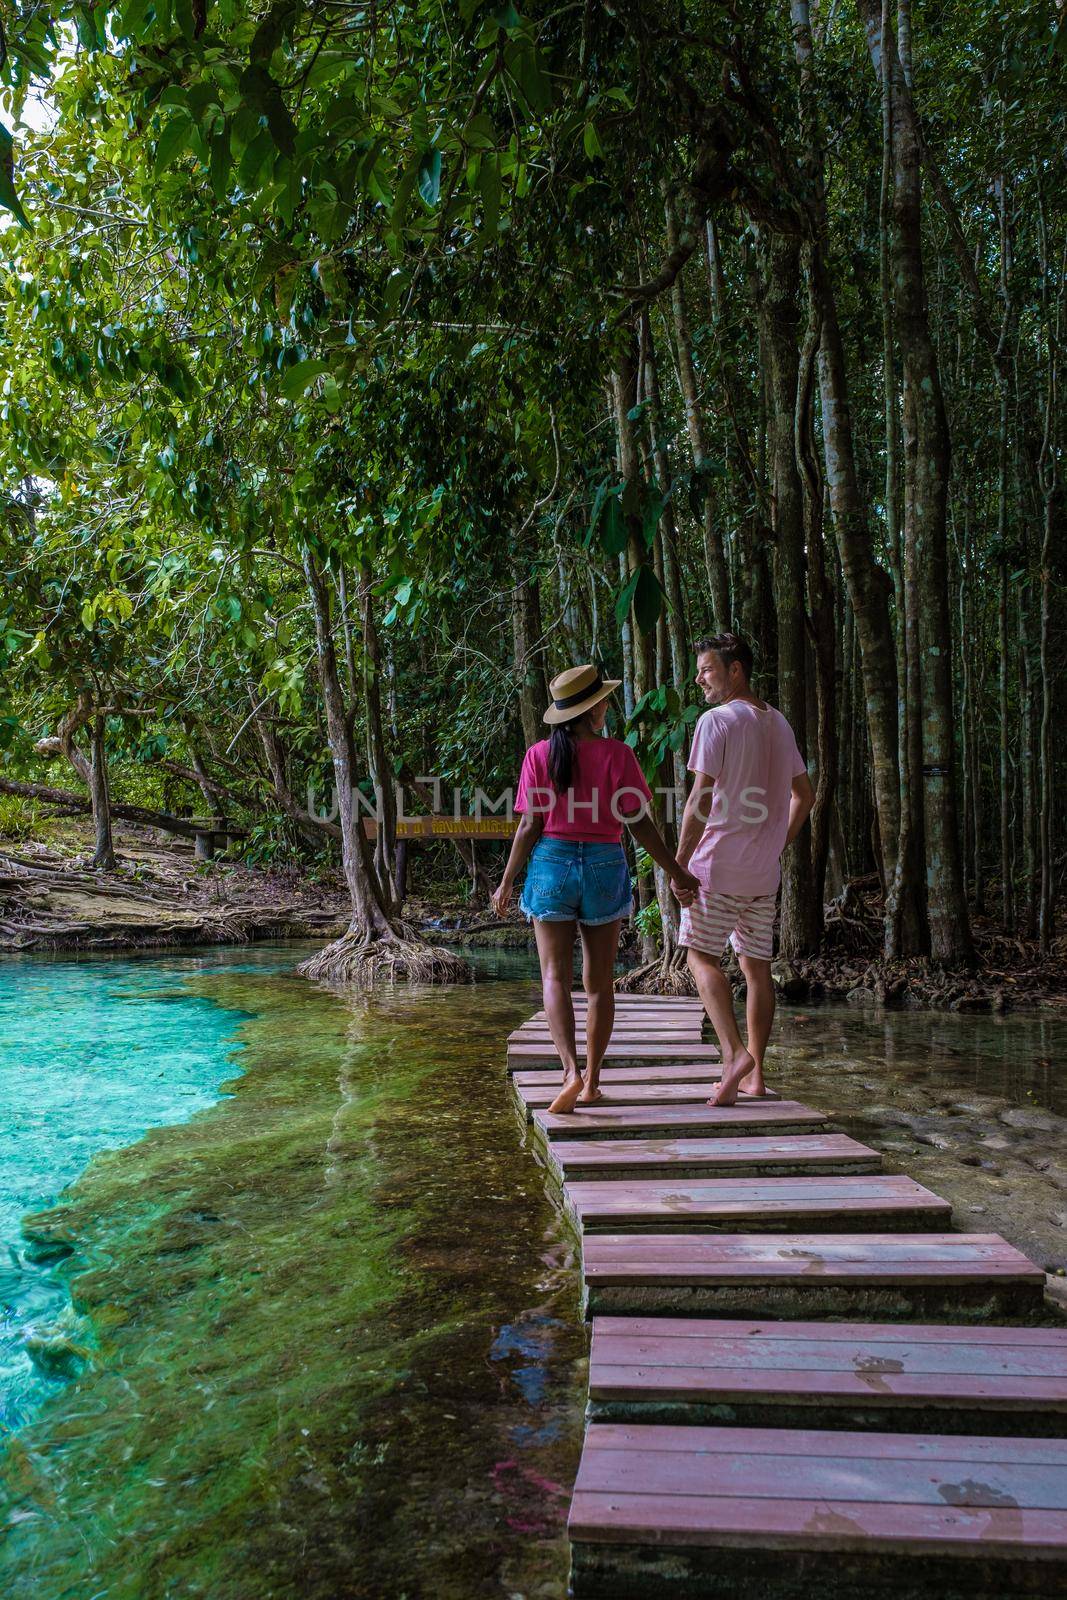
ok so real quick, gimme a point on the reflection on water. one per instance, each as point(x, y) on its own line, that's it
point(1019, 1056)
point(331, 1319)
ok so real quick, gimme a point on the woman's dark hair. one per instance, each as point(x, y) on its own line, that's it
point(561, 756)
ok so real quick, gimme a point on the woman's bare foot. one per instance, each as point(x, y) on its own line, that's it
point(734, 1069)
point(567, 1098)
point(590, 1094)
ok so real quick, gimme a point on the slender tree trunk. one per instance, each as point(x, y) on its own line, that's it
point(638, 555)
point(528, 649)
point(714, 551)
point(370, 919)
point(821, 609)
point(779, 312)
point(381, 773)
point(928, 459)
point(867, 584)
point(104, 852)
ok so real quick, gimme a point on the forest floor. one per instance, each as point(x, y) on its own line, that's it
point(159, 896)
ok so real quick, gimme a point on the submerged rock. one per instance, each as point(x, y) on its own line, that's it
point(56, 1355)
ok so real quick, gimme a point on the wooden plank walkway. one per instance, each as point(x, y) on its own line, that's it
point(701, 1474)
point(640, 1072)
point(711, 1496)
point(861, 1201)
point(630, 1094)
point(654, 1121)
point(528, 1052)
point(802, 1275)
point(841, 1375)
point(688, 1158)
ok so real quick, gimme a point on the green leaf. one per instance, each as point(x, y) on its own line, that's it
point(648, 598)
point(489, 184)
point(8, 198)
point(594, 515)
point(591, 142)
point(622, 604)
point(171, 142)
point(220, 165)
point(430, 177)
point(297, 379)
point(613, 531)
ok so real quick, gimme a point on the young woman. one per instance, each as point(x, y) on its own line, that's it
point(576, 790)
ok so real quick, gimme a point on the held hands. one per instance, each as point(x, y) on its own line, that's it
point(501, 897)
point(684, 886)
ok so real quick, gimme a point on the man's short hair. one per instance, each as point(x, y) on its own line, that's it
point(729, 647)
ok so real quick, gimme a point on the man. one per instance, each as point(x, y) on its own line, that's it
point(751, 796)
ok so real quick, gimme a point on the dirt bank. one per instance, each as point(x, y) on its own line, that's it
point(160, 896)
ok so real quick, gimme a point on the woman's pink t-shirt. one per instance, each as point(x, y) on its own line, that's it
point(607, 785)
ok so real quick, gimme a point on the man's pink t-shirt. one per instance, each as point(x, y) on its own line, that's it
point(753, 757)
point(607, 786)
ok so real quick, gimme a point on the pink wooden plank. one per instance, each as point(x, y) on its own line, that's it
point(640, 1072)
point(766, 1201)
point(759, 1115)
point(655, 1050)
point(632, 1094)
point(833, 1525)
point(829, 1332)
point(874, 1479)
point(891, 1354)
point(707, 1259)
point(803, 1443)
point(588, 1158)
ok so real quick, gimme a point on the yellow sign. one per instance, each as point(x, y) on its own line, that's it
point(448, 828)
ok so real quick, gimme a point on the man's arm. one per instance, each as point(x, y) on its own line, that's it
point(803, 798)
point(695, 816)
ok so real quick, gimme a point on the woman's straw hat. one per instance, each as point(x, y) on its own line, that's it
point(577, 690)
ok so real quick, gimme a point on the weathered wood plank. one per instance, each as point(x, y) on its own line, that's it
point(715, 1497)
point(842, 1375)
point(633, 1036)
point(858, 1201)
point(631, 1094)
point(638, 1158)
point(790, 1275)
point(528, 1054)
point(626, 1122)
point(640, 1072)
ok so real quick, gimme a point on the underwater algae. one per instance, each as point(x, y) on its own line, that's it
point(337, 1352)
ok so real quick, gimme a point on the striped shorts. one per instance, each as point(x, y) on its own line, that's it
point(746, 920)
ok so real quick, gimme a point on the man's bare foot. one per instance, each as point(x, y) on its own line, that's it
point(753, 1086)
point(590, 1094)
point(734, 1069)
point(567, 1098)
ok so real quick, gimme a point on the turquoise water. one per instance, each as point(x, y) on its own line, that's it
point(92, 1054)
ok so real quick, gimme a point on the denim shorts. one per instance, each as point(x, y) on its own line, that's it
point(570, 881)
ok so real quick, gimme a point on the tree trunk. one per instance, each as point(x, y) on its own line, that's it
point(375, 942)
point(528, 649)
point(779, 317)
point(381, 773)
point(927, 455)
point(104, 853)
point(868, 587)
point(714, 551)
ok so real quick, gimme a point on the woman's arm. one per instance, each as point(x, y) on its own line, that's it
point(683, 884)
point(531, 826)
